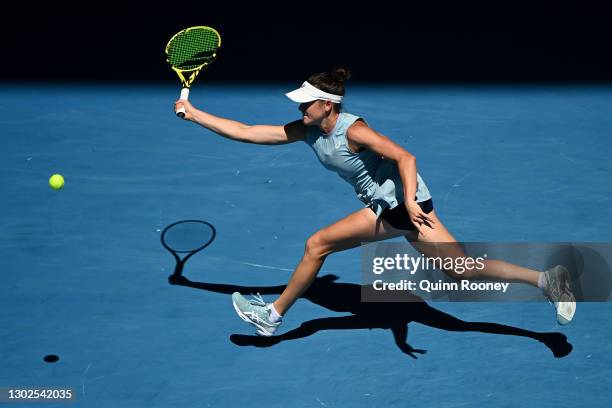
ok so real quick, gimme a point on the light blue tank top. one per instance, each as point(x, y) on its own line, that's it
point(376, 180)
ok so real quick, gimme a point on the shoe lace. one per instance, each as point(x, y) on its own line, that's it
point(257, 300)
point(552, 292)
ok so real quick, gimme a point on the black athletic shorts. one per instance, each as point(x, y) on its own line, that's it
point(398, 216)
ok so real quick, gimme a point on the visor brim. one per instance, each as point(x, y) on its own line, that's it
point(300, 96)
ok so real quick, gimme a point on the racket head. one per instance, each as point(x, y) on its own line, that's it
point(188, 236)
point(193, 48)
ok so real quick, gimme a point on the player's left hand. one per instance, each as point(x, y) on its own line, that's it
point(417, 216)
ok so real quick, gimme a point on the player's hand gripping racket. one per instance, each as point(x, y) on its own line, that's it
point(186, 237)
point(188, 52)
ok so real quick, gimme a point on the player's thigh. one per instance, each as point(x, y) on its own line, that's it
point(351, 231)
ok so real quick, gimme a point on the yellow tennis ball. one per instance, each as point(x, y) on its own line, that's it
point(56, 181)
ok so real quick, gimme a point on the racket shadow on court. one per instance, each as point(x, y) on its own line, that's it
point(186, 238)
point(346, 297)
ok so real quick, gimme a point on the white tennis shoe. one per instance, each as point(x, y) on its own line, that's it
point(558, 291)
point(256, 312)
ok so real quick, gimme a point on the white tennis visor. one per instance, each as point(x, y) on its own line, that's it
point(309, 93)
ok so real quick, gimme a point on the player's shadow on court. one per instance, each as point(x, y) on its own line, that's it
point(346, 297)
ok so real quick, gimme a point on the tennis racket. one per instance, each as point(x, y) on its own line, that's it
point(186, 237)
point(188, 52)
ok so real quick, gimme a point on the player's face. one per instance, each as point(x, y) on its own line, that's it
point(313, 112)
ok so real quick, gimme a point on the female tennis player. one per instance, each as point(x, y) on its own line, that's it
point(385, 178)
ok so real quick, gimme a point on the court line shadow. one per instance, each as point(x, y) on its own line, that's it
point(346, 297)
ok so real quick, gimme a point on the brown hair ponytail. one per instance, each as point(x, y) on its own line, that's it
point(331, 82)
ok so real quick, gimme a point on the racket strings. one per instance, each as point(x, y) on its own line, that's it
point(192, 48)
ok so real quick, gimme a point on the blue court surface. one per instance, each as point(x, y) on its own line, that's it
point(85, 277)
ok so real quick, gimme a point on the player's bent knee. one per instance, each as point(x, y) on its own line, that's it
point(316, 248)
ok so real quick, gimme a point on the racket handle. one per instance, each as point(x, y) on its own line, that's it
point(184, 96)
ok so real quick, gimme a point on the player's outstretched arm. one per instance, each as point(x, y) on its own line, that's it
point(231, 129)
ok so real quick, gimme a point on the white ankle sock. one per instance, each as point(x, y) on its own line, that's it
point(274, 316)
point(542, 281)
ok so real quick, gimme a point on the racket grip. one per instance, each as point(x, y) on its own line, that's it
point(180, 112)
